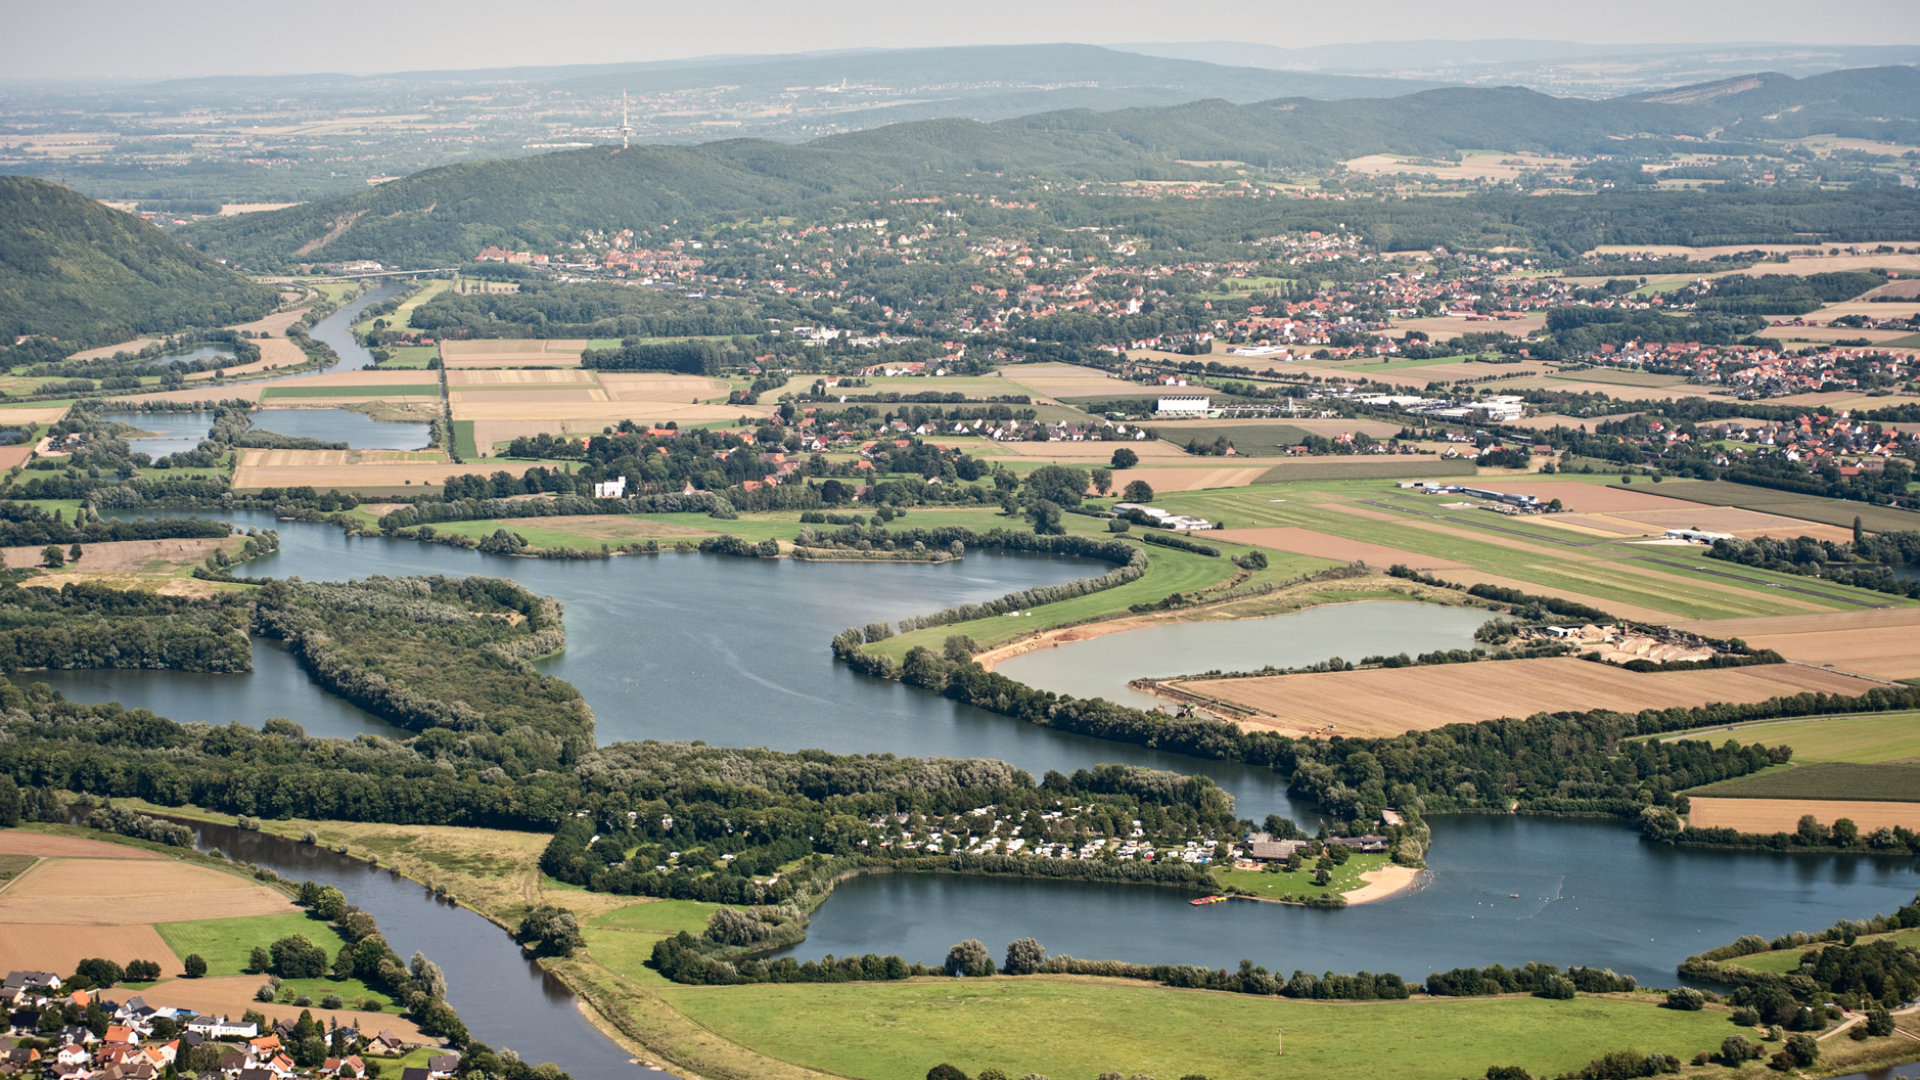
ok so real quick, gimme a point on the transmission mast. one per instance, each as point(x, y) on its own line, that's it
point(626, 129)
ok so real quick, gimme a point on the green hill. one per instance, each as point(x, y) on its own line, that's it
point(445, 215)
point(89, 275)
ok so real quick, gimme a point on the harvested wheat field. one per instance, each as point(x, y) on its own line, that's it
point(1877, 643)
point(275, 324)
point(232, 995)
point(1320, 545)
point(1174, 479)
point(531, 395)
point(33, 414)
point(607, 527)
point(513, 377)
point(113, 892)
point(107, 352)
point(367, 477)
point(15, 455)
point(658, 386)
point(1783, 815)
point(44, 947)
point(1596, 498)
point(1390, 701)
point(1093, 453)
point(498, 353)
point(1745, 524)
point(19, 842)
point(131, 556)
point(603, 413)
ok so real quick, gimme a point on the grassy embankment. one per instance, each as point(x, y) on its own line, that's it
point(1265, 886)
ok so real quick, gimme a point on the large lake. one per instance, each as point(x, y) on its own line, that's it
point(734, 651)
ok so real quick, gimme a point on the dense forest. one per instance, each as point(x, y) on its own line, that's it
point(73, 269)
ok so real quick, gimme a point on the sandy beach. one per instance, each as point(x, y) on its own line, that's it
point(1383, 883)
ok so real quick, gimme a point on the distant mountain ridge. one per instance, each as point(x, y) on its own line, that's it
point(450, 213)
point(90, 275)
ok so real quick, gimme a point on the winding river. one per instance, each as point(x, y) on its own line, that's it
point(734, 651)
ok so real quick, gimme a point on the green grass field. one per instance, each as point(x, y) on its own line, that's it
point(1824, 780)
point(464, 447)
point(622, 940)
point(225, 944)
point(410, 390)
point(410, 356)
point(1300, 882)
point(1787, 961)
point(1370, 467)
point(1865, 740)
point(1249, 440)
point(1068, 1027)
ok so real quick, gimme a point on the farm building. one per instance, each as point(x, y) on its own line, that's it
point(1184, 406)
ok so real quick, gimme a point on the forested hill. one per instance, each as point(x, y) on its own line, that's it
point(446, 215)
point(91, 275)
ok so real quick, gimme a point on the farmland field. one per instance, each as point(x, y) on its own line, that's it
point(61, 946)
point(131, 556)
point(1878, 782)
point(1864, 739)
point(1364, 468)
point(1764, 816)
point(98, 892)
point(383, 391)
point(1389, 701)
point(1869, 642)
point(1078, 1027)
point(17, 842)
point(1839, 512)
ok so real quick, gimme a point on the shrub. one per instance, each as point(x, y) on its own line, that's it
point(332, 1001)
point(1024, 957)
point(265, 993)
point(1557, 987)
point(944, 1071)
point(1686, 999)
point(969, 958)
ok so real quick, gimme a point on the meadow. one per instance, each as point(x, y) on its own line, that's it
point(1826, 511)
point(1868, 739)
point(1078, 1027)
point(1825, 780)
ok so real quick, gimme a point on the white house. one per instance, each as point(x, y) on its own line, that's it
point(219, 1027)
point(611, 489)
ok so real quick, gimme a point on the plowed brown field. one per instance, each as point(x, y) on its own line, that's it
point(101, 892)
point(1783, 815)
point(521, 377)
point(500, 353)
point(1172, 479)
point(1308, 542)
point(1391, 701)
point(56, 947)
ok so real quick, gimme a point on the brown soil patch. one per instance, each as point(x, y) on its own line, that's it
point(54, 947)
point(504, 377)
point(1321, 545)
point(99, 892)
point(367, 479)
point(1874, 643)
point(1594, 498)
point(232, 995)
point(33, 414)
point(1388, 702)
point(1363, 512)
point(130, 556)
point(275, 324)
point(18, 842)
point(606, 527)
point(1549, 421)
point(15, 455)
point(1783, 815)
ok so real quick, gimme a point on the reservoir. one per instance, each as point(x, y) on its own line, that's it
point(1100, 667)
point(176, 431)
point(734, 651)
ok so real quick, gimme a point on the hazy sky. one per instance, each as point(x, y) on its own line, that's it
point(170, 38)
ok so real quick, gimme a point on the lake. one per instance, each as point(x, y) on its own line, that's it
point(1100, 667)
point(735, 652)
point(177, 431)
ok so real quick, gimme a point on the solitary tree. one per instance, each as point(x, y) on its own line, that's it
point(53, 556)
point(196, 965)
point(73, 553)
point(1102, 482)
point(1058, 484)
point(1024, 956)
point(1045, 515)
point(969, 958)
point(1125, 458)
point(1858, 535)
point(1137, 491)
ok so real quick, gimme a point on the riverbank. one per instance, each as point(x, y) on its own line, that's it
point(1387, 881)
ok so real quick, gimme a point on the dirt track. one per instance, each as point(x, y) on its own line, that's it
point(1388, 702)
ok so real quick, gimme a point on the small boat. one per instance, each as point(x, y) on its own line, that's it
point(1514, 895)
point(1207, 900)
